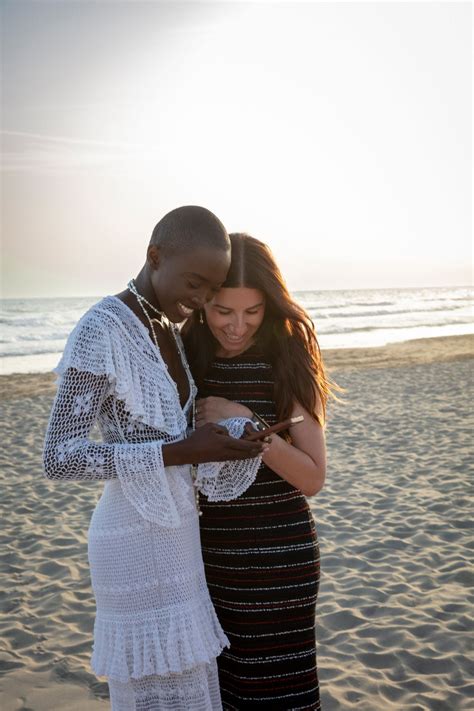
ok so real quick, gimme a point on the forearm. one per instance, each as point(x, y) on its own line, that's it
point(69, 452)
point(295, 466)
point(177, 453)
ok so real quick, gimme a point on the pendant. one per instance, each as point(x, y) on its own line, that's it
point(194, 471)
point(159, 321)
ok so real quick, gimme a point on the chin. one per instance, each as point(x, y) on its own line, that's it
point(235, 347)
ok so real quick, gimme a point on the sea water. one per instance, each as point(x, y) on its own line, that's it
point(33, 331)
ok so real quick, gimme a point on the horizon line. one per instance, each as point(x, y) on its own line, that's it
point(292, 291)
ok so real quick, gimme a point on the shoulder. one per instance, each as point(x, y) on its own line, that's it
point(104, 312)
point(98, 333)
point(105, 320)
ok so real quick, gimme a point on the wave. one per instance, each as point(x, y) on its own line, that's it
point(34, 350)
point(31, 337)
point(363, 314)
point(39, 320)
point(343, 305)
point(34, 331)
point(401, 327)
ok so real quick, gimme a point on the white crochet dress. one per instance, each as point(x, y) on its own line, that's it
point(156, 634)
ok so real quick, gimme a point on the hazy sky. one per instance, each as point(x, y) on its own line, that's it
point(340, 133)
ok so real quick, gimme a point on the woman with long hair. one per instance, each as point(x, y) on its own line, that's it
point(254, 353)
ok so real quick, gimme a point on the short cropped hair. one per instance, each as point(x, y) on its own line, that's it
point(189, 227)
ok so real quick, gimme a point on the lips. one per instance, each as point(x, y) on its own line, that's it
point(185, 310)
point(234, 339)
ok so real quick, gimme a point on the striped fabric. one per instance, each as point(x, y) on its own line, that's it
point(262, 566)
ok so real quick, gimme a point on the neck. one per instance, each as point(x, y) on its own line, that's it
point(222, 353)
point(144, 287)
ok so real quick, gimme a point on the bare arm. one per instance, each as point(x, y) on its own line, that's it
point(302, 463)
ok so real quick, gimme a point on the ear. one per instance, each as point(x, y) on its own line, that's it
point(153, 256)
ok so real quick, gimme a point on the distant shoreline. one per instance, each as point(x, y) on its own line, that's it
point(294, 292)
point(401, 354)
point(35, 331)
point(394, 355)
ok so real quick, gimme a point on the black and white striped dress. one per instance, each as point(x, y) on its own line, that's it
point(262, 567)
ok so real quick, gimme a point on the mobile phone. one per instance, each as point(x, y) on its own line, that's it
point(261, 434)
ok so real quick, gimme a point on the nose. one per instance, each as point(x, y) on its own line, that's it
point(238, 325)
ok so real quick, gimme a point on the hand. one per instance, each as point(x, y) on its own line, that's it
point(248, 430)
point(212, 443)
point(214, 409)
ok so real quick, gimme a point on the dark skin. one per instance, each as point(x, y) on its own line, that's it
point(170, 282)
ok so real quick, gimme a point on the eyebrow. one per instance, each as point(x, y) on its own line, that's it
point(194, 275)
point(249, 308)
point(197, 276)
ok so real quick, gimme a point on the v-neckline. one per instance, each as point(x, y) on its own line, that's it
point(153, 345)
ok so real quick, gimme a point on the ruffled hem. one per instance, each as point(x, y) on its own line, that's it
point(147, 484)
point(196, 689)
point(161, 642)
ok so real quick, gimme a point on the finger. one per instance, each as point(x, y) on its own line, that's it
point(221, 430)
point(244, 445)
point(249, 428)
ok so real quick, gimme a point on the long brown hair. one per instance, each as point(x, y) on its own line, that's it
point(287, 336)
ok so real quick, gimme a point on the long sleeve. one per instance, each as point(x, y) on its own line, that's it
point(69, 453)
point(225, 481)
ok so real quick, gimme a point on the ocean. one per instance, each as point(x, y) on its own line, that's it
point(33, 331)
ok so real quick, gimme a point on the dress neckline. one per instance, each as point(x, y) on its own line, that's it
point(252, 351)
point(146, 336)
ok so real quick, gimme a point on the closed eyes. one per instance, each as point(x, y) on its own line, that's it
point(227, 313)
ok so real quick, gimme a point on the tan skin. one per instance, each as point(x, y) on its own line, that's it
point(190, 279)
point(234, 316)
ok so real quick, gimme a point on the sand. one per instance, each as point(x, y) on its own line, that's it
point(395, 609)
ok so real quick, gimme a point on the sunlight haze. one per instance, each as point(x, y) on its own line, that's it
point(338, 133)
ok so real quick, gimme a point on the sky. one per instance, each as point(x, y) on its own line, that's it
point(338, 133)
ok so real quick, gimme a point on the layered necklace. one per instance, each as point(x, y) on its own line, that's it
point(163, 322)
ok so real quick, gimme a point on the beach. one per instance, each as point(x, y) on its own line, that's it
point(394, 619)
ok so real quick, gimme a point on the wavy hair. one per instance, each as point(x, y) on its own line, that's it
point(286, 337)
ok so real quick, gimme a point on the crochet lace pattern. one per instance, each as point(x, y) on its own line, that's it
point(154, 615)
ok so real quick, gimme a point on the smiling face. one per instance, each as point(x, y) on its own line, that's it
point(234, 316)
point(185, 281)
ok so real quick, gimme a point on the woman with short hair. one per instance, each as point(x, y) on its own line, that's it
point(156, 635)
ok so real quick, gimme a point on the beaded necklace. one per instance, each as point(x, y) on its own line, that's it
point(163, 322)
point(132, 287)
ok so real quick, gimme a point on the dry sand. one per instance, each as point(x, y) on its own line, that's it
point(395, 610)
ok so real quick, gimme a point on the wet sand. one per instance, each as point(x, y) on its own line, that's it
point(395, 609)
